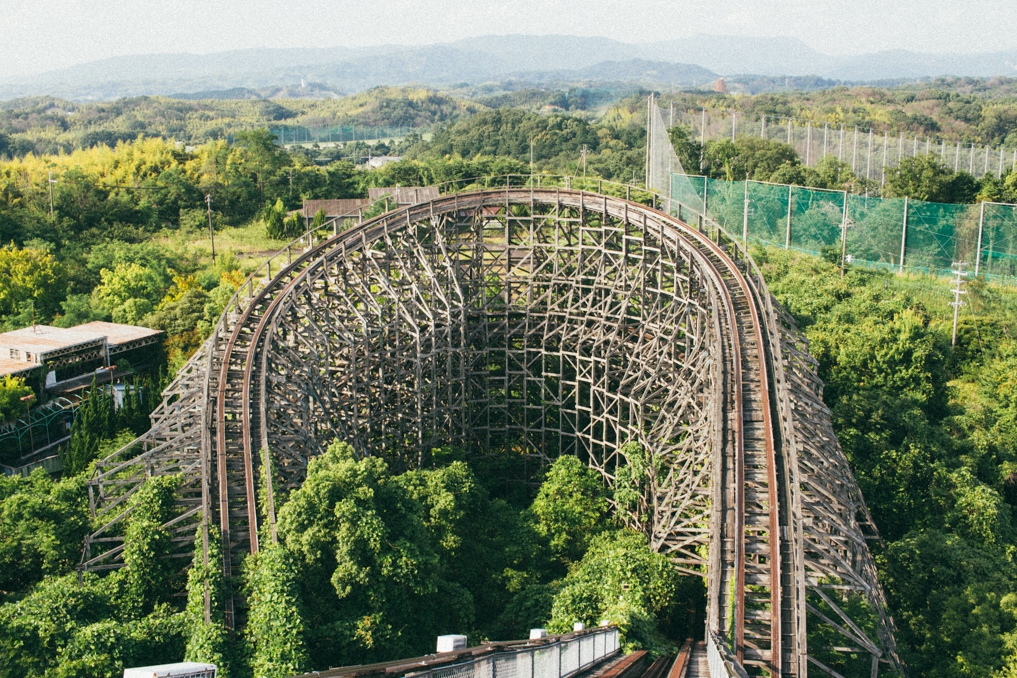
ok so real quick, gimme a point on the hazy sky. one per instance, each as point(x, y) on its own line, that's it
point(40, 35)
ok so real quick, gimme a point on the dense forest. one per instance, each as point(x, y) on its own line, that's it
point(966, 110)
point(490, 545)
point(370, 566)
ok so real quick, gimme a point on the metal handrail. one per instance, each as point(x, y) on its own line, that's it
point(720, 659)
point(551, 657)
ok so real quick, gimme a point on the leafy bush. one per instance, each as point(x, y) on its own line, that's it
point(622, 580)
point(12, 390)
point(275, 628)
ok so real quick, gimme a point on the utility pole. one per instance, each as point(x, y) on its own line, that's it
point(582, 156)
point(291, 182)
point(51, 182)
point(211, 231)
point(531, 156)
point(957, 292)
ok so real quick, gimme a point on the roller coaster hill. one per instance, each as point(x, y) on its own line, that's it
point(569, 315)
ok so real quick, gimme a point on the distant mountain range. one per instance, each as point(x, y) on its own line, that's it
point(689, 62)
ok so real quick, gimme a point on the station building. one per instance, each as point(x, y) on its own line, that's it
point(65, 359)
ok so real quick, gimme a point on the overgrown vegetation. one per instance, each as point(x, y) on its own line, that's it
point(372, 564)
point(929, 432)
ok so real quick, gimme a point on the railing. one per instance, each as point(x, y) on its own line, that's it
point(561, 657)
point(722, 663)
point(550, 657)
point(52, 464)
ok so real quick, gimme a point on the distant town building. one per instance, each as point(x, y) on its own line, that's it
point(382, 160)
point(55, 355)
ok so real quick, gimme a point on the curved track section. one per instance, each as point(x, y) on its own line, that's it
point(550, 322)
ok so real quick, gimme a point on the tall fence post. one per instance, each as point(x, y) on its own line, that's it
point(904, 234)
point(843, 235)
point(787, 233)
point(745, 218)
point(981, 227)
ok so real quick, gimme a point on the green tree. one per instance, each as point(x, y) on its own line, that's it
point(95, 421)
point(130, 292)
point(688, 150)
point(102, 624)
point(319, 219)
point(622, 580)
point(42, 525)
point(12, 390)
point(367, 558)
point(29, 275)
point(570, 508)
point(747, 158)
point(925, 177)
point(149, 578)
point(274, 217)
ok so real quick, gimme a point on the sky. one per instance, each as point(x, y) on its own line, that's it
point(43, 35)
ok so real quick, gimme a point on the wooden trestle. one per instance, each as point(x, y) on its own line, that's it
point(552, 321)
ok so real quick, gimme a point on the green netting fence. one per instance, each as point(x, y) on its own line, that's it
point(933, 235)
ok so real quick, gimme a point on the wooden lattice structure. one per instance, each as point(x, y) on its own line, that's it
point(555, 320)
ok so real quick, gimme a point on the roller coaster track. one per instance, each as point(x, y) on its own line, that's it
point(561, 321)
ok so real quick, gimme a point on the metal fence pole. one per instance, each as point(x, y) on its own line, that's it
point(745, 218)
point(787, 234)
point(843, 235)
point(904, 234)
point(981, 226)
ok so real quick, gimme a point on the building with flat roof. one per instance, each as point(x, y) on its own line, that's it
point(65, 352)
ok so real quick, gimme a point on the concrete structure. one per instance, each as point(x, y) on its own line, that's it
point(178, 670)
point(451, 643)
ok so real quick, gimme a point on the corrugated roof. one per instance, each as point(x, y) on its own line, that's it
point(405, 195)
point(9, 366)
point(333, 208)
point(44, 338)
point(117, 334)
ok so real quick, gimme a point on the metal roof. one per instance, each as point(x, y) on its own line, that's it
point(405, 195)
point(21, 350)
